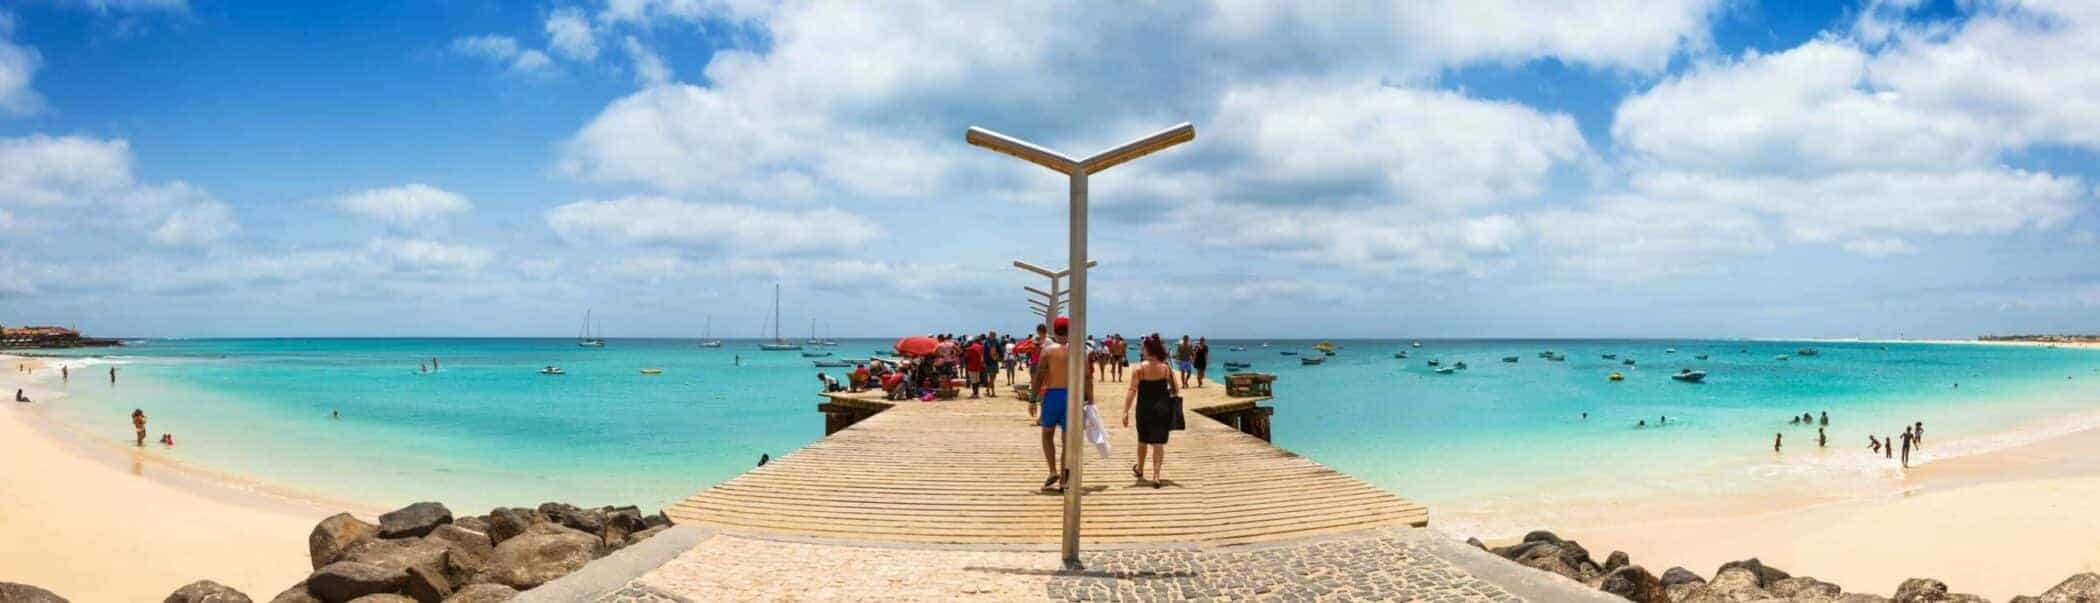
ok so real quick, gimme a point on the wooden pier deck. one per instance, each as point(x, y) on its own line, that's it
point(969, 472)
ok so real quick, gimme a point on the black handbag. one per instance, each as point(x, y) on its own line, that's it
point(1178, 422)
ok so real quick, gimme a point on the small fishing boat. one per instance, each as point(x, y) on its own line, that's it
point(1312, 360)
point(1689, 376)
point(1617, 376)
point(1415, 344)
point(1611, 356)
point(815, 354)
point(1461, 365)
point(1400, 354)
point(1435, 362)
point(1237, 366)
point(1557, 358)
point(1445, 370)
point(553, 370)
point(1781, 358)
point(1325, 346)
point(1806, 352)
point(1627, 362)
point(652, 371)
point(832, 363)
point(1265, 344)
point(1288, 352)
point(1509, 359)
point(1670, 351)
point(1238, 348)
point(1546, 354)
point(1699, 357)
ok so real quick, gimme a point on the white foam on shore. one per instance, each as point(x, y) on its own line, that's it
point(2047, 429)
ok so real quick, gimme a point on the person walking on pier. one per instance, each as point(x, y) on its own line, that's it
point(1185, 359)
point(1202, 356)
point(973, 366)
point(1051, 390)
point(1152, 390)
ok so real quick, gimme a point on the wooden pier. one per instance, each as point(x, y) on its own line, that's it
point(969, 471)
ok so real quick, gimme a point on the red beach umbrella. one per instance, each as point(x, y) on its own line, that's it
point(917, 346)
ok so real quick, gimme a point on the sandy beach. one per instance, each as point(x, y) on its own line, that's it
point(1999, 524)
point(94, 522)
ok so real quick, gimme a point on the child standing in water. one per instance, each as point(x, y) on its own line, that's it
point(138, 423)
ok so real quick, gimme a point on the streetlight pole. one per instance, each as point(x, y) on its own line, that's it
point(1077, 171)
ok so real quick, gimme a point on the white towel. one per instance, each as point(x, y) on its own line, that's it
point(1095, 433)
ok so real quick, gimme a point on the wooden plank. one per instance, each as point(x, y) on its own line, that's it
point(968, 471)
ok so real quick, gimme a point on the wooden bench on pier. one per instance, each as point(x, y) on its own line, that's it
point(1249, 385)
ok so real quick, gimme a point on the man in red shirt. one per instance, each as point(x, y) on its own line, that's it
point(973, 365)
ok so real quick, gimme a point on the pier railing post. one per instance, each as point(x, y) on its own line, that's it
point(1075, 353)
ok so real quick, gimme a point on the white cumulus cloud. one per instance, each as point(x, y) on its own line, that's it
point(740, 229)
point(569, 33)
point(411, 206)
point(505, 51)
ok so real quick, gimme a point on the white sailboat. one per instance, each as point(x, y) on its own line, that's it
point(813, 334)
point(585, 339)
point(707, 338)
point(778, 344)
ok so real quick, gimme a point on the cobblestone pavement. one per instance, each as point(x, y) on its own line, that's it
point(1376, 565)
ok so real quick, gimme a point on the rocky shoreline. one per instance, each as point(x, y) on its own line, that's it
point(1746, 580)
point(422, 554)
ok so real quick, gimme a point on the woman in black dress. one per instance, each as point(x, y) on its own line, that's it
point(1151, 388)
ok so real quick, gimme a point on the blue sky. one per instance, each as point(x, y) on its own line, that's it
point(1419, 169)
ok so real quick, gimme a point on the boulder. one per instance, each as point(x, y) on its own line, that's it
point(544, 552)
point(2082, 588)
point(1803, 588)
point(1633, 583)
point(1861, 598)
point(403, 554)
point(1541, 536)
point(1549, 557)
point(1677, 575)
point(478, 523)
point(1475, 542)
point(296, 594)
point(620, 522)
point(588, 521)
point(12, 592)
point(1766, 575)
point(658, 520)
point(206, 591)
point(511, 521)
point(414, 521)
point(1616, 560)
point(468, 551)
point(1921, 589)
point(483, 593)
point(383, 598)
point(638, 537)
point(335, 536)
point(427, 586)
point(345, 580)
point(1730, 585)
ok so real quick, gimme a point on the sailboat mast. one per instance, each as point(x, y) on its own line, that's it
point(776, 312)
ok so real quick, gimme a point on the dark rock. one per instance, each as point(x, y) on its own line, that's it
point(2082, 588)
point(1512, 552)
point(1921, 589)
point(468, 551)
point(1731, 584)
point(658, 520)
point(1677, 575)
point(1477, 543)
point(296, 594)
point(620, 522)
point(403, 554)
point(1765, 575)
point(414, 521)
point(588, 521)
point(206, 591)
point(483, 593)
point(383, 598)
point(335, 536)
point(638, 537)
point(1616, 560)
point(12, 592)
point(511, 521)
point(478, 523)
point(1542, 536)
point(427, 586)
point(544, 552)
point(1803, 588)
point(1861, 598)
point(345, 580)
point(1633, 583)
point(1549, 557)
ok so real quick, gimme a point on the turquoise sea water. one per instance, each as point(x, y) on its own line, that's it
point(1499, 440)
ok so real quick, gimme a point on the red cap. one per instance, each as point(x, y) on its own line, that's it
point(1061, 325)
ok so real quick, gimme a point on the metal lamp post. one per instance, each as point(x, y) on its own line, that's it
point(1077, 171)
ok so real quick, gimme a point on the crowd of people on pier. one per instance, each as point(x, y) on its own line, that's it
point(1035, 368)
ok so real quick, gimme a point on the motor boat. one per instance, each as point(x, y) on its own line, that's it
point(1805, 352)
point(1689, 376)
point(1627, 362)
point(1617, 376)
point(1445, 370)
point(1510, 359)
point(652, 371)
point(1312, 360)
point(1699, 357)
point(1611, 356)
point(553, 370)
